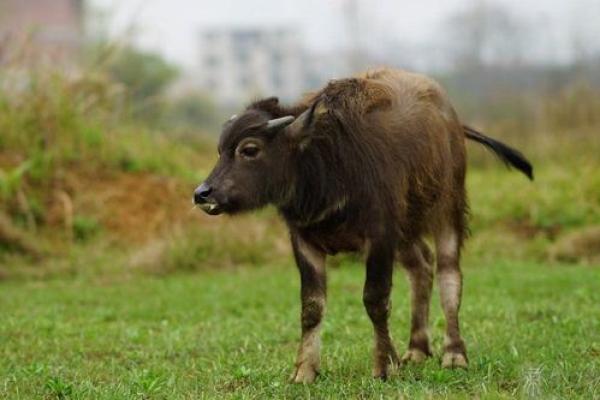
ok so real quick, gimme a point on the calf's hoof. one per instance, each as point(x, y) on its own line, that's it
point(305, 373)
point(381, 375)
point(454, 360)
point(382, 371)
point(415, 356)
point(383, 365)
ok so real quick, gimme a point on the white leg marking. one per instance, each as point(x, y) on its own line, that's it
point(450, 287)
point(312, 255)
point(448, 244)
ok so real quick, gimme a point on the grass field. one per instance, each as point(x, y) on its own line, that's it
point(111, 287)
point(533, 331)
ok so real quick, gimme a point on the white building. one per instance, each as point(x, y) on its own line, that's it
point(237, 65)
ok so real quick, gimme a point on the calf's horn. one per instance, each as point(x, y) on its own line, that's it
point(280, 122)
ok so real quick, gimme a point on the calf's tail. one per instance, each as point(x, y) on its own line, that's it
point(510, 156)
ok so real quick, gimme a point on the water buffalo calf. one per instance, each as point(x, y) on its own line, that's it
point(374, 163)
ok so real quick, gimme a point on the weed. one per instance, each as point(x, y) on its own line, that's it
point(58, 388)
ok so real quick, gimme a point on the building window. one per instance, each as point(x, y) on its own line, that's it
point(242, 55)
point(212, 61)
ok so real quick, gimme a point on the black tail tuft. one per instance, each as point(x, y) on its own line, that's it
point(508, 155)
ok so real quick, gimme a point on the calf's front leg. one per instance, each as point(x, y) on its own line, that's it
point(311, 264)
point(376, 298)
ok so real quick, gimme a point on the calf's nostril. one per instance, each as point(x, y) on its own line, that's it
point(201, 193)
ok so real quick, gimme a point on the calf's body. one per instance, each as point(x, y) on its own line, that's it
point(374, 164)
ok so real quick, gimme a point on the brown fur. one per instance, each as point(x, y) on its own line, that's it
point(373, 163)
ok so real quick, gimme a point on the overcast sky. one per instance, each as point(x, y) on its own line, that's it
point(171, 26)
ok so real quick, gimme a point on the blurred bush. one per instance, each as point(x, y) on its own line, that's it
point(258, 239)
point(575, 106)
point(68, 135)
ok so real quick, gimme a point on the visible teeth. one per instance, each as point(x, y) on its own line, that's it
point(208, 207)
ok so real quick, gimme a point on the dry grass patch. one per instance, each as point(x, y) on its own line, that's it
point(580, 246)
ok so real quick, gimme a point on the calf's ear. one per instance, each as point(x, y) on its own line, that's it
point(269, 105)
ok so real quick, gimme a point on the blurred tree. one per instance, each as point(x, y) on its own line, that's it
point(194, 110)
point(158, 93)
point(484, 34)
point(145, 74)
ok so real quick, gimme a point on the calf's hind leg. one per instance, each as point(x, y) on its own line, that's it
point(417, 260)
point(449, 277)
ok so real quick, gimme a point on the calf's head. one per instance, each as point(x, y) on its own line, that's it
point(256, 152)
point(251, 164)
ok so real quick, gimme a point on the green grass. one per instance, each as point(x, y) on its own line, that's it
point(532, 331)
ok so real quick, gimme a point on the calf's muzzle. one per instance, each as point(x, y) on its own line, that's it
point(204, 200)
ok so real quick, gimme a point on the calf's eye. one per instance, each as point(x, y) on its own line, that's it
point(250, 151)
